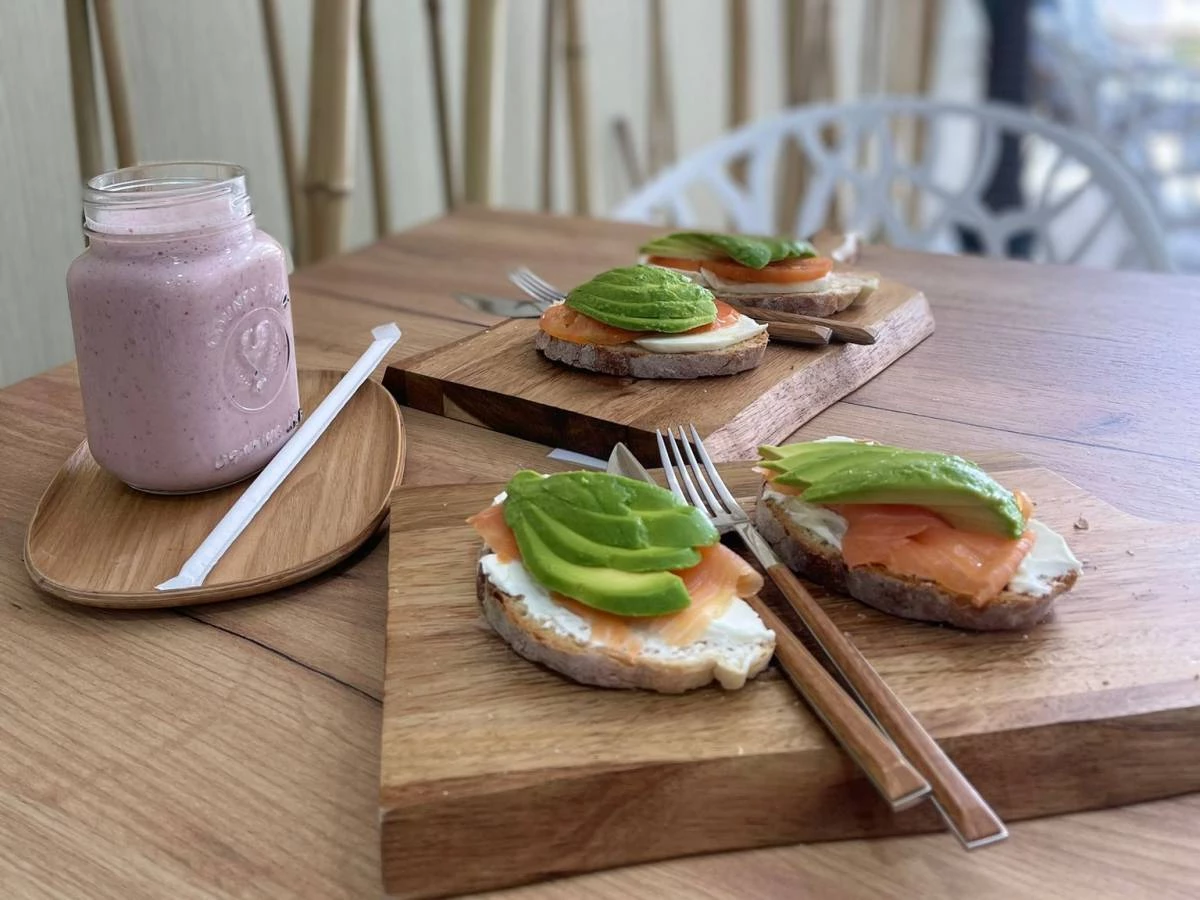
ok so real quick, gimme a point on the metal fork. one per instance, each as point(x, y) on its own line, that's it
point(543, 292)
point(697, 481)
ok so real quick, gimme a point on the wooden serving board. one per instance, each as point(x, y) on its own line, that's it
point(495, 771)
point(498, 380)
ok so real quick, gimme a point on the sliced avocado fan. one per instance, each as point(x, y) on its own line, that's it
point(853, 472)
point(753, 251)
point(609, 542)
point(645, 298)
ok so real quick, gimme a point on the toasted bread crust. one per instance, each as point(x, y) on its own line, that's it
point(899, 595)
point(592, 664)
point(631, 361)
point(849, 290)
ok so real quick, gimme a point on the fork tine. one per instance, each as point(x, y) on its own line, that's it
point(665, 458)
point(713, 503)
point(696, 499)
point(710, 467)
point(522, 279)
point(526, 288)
point(542, 282)
point(532, 284)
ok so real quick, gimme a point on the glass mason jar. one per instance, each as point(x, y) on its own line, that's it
point(183, 328)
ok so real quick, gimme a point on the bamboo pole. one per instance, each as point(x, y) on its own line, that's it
point(739, 62)
point(285, 122)
point(792, 179)
point(871, 66)
point(549, 71)
point(577, 107)
point(627, 153)
point(331, 121)
point(483, 110)
point(739, 71)
point(931, 17)
point(931, 11)
point(114, 77)
point(660, 128)
point(433, 18)
point(806, 46)
point(376, 145)
point(88, 145)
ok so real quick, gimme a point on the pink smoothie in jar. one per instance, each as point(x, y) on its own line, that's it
point(183, 329)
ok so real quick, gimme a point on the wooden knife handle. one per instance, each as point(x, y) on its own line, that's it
point(843, 331)
point(789, 333)
point(888, 770)
point(968, 814)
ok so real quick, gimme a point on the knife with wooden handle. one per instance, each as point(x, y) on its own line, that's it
point(843, 331)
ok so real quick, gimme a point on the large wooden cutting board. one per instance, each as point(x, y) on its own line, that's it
point(497, 772)
point(498, 380)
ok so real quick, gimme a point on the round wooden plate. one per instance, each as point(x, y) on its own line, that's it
point(95, 541)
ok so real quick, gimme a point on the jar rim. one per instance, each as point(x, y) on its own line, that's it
point(199, 190)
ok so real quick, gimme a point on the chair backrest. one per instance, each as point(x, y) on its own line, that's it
point(1078, 204)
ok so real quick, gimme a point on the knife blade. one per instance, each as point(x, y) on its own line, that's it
point(501, 306)
point(622, 462)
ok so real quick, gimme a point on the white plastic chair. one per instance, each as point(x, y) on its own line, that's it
point(1080, 205)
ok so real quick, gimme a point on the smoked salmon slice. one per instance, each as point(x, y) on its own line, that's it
point(912, 541)
point(608, 630)
point(713, 584)
point(495, 532)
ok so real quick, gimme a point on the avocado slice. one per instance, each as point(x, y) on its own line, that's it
point(575, 548)
point(603, 493)
point(802, 448)
point(610, 590)
point(607, 528)
point(803, 471)
point(958, 491)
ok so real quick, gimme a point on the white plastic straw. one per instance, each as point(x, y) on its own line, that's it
point(221, 538)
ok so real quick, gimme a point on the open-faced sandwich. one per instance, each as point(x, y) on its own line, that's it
point(761, 272)
point(616, 583)
point(647, 322)
point(915, 534)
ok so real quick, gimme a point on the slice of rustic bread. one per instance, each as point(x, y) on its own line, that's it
point(631, 361)
point(806, 554)
point(729, 663)
point(844, 290)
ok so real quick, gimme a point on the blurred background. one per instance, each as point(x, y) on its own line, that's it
point(565, 105)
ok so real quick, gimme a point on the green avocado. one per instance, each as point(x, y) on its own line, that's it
point(846, 472)
point(606, 541)
point(750, 250)
point(805, 471)
point(645, 298)
point(610, 590)
point(820, 452)
point(568, 544)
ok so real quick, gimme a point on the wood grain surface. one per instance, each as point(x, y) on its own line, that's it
point(232, 750)
point(497, 379)
point(486, 756)
point(93, 540)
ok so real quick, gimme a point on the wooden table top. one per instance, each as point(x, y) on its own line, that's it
point(233, 750)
